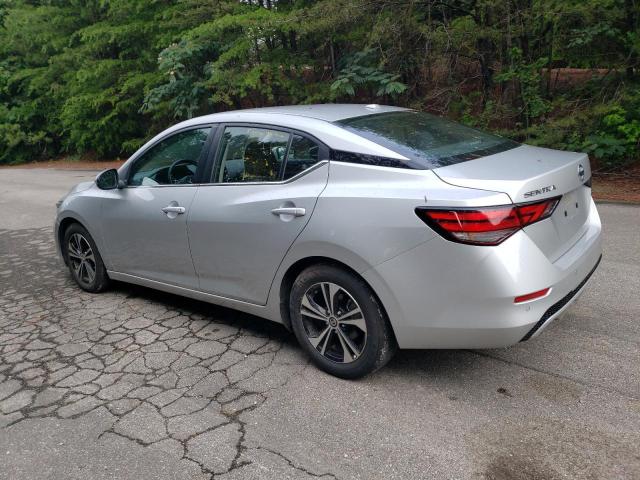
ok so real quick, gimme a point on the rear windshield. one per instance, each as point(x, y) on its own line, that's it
point(426, 140)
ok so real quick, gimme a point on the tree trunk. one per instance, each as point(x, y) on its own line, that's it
point(293, 41)
point(550, 61)
point(333, 59)
point(631, 14)
point(486, 53)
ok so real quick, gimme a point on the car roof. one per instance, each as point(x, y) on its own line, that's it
point(330, 112)
point(316, 120)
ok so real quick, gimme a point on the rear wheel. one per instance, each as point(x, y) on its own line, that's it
point(84, 260)
point(339, 322)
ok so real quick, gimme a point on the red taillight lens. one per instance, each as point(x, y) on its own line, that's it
point(532, 212)
point(488, 226)
point(485, 225)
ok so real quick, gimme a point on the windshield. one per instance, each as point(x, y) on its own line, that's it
point(426, 140)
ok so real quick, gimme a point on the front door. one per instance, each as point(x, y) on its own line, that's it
point(144, 225)
point(265, 185)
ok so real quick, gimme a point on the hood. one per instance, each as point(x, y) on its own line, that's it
point(80, 187)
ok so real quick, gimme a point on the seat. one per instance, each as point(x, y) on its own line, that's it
point(259, 163)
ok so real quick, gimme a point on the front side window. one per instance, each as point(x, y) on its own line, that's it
point(171, 161)
point(250, 154)
point(426, 140)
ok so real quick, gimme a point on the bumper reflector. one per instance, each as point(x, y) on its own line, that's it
point(532, 296)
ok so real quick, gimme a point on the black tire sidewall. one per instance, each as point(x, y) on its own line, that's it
point(378, 332)
point(101, 279)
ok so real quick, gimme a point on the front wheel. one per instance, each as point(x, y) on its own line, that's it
point(339, 322)
point(84, 260)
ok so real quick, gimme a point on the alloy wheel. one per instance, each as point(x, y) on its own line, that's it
point(333, 322)
point(81, 258)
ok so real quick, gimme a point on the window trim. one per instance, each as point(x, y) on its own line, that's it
point(214, 154)
point(202, 160)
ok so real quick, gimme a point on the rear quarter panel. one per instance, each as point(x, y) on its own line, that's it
point(369, 212)
point(366, 216)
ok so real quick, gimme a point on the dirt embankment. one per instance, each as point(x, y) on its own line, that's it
point(71, 164)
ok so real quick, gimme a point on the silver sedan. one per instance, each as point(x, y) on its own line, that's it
point(362, 228)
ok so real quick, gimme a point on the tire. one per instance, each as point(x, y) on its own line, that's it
point(338, 339)
point(81, 255)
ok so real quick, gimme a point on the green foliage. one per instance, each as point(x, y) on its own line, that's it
point(360, 73)
point(182, 94)
point(104, 75)
point(73, 76)
point(527, 79)
point(606, 130)
point(617, 135)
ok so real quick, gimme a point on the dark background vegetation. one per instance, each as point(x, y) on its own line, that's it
point(99, 77)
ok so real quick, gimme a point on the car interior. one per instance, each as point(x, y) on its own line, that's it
point(260, 162)
point(172, 161)
point(247, 154)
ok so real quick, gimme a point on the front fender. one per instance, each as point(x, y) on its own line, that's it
point(85, 208)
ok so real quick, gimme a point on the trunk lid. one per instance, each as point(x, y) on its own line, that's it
point(529, 174)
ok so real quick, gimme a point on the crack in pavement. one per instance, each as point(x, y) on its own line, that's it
point(297, 467)
point(171, 371)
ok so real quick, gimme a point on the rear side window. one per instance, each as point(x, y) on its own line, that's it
point(303, 153)
point(260, 154)
point(426, 140)
point(249, 154)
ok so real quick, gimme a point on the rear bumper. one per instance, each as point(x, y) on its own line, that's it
point(446, 295)
point(557, 308)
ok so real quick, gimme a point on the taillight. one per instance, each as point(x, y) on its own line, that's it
point(485, 225)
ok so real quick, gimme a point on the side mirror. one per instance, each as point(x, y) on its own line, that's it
point(108, 180)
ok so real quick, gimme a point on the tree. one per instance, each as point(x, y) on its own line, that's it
point(102, 76)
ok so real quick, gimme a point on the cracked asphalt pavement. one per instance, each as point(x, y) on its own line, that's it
point(134, 383)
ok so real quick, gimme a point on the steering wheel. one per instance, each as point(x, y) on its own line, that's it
point(189, 165)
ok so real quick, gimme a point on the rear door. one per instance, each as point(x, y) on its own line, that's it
point(264, 184)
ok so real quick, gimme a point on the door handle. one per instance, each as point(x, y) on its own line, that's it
point(295, 211)
point(174, 209)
